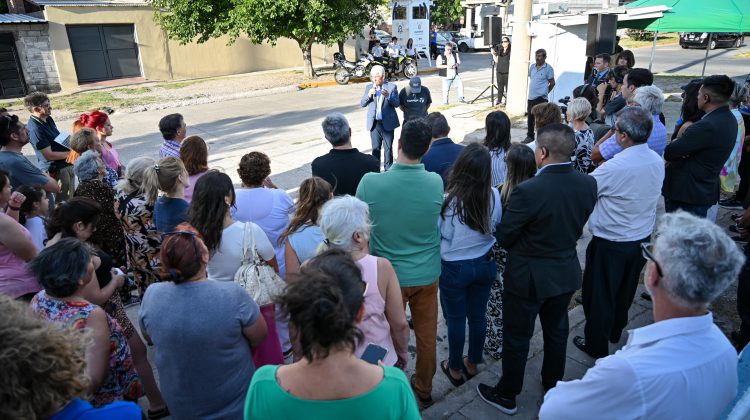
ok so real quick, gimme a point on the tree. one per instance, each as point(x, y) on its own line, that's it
point(446, 11)
point(305, 21)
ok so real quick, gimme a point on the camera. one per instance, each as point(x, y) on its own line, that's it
point(495, 48)
point(564, 107)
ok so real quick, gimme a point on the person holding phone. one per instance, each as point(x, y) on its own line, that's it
point(324, 308)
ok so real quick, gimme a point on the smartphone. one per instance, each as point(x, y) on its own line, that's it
point(374, 353)
point(118, 272)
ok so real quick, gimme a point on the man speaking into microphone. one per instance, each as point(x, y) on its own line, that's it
point(381, 99)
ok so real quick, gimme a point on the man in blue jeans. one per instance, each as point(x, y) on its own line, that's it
point(448, 64)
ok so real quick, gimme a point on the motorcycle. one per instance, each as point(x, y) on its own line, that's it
point(405, 65)
point(347, 69)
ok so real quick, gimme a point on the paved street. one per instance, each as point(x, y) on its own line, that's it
point(673, 59)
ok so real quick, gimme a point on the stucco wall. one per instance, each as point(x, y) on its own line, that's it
point(163, 59)
point(35, 56)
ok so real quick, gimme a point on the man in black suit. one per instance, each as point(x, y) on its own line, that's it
point(694, 161)
point(540, 227)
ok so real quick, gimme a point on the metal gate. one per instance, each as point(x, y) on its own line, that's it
point(104, 52)
point(11, 77)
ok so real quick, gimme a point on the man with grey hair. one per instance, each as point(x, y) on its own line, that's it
point(628, 190)
point(381, 99)
point(344, 166)
point(541, 225)
point(681, 366)
point(650, 98)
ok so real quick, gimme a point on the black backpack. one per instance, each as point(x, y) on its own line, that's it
point(444, 72)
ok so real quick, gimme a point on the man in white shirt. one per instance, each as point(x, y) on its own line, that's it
point(394, 52)
point(682, 366)
point(447, 65)
point(628, 190)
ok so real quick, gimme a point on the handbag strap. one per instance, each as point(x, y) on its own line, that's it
point(248, 257)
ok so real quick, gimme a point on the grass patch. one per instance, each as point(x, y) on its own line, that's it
point(133, 91)
point(180, 85)
point(661, 39)
point(743, 55)
point(84, 102)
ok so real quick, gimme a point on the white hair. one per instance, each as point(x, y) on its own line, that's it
point(133, 180)
point(579, 108)
point(697, 258)
point(87, 165)
point(650, 98)
point(342, 217)
point(377, 70)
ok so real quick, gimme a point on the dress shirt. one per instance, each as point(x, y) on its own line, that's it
point(628, 190)
point(170, 148)
point(379, 102)
point(680, 368)
point(460, 242)
point(657, 141)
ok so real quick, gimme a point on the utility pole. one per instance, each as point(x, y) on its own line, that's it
point(519, 58)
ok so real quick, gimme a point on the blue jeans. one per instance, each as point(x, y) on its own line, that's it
point(464, 292)
point(447, 83)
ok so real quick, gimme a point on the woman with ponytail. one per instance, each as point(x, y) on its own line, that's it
point(324, 308)
point(142, 241)
point(202, 331)
point(303, 235)
point(100, 123)
point(170, 176)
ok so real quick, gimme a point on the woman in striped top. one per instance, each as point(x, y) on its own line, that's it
point(497, 141)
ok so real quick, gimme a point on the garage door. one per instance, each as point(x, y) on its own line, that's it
point(11, 79)
point(104, 52)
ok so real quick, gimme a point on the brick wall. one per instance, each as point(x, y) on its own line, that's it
point(35, 56)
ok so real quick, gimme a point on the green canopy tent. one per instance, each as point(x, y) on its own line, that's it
point(693, 16)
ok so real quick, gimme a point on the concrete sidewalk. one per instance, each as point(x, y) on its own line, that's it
point(464, 402)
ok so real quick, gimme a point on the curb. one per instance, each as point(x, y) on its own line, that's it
point(312, 85)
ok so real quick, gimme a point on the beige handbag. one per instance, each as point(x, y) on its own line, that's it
point(255, 275)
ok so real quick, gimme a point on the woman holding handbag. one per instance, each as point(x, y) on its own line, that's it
point(209, 214)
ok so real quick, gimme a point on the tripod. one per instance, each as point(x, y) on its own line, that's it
point(491, 87)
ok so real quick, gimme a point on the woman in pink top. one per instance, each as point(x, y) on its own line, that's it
point(345, 223)
point(99, 121)
point(194, 155)
point(16, 248)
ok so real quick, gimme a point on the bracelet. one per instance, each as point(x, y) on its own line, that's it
point(14, 208)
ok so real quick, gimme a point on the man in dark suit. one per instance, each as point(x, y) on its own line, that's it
point(381, 99)
point(694, 161)
point(344, 166)
point(540, 227)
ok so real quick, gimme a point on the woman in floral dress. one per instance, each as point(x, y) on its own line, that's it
point(142, 241)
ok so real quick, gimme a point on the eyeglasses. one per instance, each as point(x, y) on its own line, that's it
point(647, 252)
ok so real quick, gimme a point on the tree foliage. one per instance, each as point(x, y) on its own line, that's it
point(446, 11)
point(305, 21)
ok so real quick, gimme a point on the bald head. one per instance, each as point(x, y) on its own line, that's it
point(559, 140)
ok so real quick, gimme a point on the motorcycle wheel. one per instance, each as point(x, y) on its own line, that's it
point(410, 70)
point(342, 76)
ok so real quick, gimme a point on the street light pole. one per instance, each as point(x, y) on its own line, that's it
point(519, 58)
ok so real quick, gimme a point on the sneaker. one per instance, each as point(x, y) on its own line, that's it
point(505, 404)
point(730, 203)
point(527, 140)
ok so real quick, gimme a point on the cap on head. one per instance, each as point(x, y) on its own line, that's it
point(415, 84)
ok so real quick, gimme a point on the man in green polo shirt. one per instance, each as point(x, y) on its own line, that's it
point(405, 205)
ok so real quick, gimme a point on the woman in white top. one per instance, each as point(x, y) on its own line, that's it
point(470, 212)
point(303, 236)
point(497, 140)
point(345, 223)
point(260, 202)
point(411, 52)
point(209, 214)
point(32, 214)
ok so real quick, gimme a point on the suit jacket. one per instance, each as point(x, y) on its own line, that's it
point(539, 229)
point(696, 158)
point(390, 118)
point(440, 157)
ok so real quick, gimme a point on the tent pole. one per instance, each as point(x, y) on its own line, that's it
point(708, 48)
point(653, 51)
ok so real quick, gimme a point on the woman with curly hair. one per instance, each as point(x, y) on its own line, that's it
point(64, 270)
point(44, 370)
point(303, 236)
point(260, 202)
point(194, 155)
point(142, 241)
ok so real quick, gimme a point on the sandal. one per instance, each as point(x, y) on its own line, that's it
point(447, 372)
point(466, 370)
point(158, 414)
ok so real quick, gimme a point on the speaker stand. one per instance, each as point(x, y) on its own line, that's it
point(491, 87)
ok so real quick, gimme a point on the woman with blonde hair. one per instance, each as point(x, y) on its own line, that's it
point(86, 139)
point(170, 176)
point(50, 380)
point(303, 236)
point(142, 240)
point(194, 155)
point(578, 110)
point(345, 223)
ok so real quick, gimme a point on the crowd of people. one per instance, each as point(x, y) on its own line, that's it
point(485, 232)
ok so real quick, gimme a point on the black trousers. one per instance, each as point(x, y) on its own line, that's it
point(519, 314)
point(502, 85)
point(530, 117)
point(743, 296)
point(609, 284)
